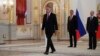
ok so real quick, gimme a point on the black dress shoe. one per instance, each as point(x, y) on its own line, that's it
point(89, 48)
point(53, 51)
point(46, 53)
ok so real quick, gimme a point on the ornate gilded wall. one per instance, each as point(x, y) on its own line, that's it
point(36, 9)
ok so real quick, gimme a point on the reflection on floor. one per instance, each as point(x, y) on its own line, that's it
point(36, 48)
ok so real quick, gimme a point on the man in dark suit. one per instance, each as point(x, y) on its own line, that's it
point(50, 25)
point(72, 28)
point(92, 25)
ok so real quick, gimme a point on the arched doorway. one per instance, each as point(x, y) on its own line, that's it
point(54, 5)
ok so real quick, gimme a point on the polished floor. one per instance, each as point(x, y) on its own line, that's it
point(36, 48)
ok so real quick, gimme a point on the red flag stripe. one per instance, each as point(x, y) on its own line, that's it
point(98, 33)
point(77, 35)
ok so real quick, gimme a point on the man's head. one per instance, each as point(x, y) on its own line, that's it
point(48, 8)
point(71, 12)
point(92, 13)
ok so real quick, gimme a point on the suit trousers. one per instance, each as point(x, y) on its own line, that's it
point(73, 39)
point(49, 40)
point(92, 40)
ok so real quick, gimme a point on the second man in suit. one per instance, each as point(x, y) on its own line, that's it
point(72, 28)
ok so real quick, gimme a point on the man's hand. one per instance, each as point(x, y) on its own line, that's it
point(95, 31)
point(76, 30)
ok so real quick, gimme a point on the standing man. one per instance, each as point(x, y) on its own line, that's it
point(72, 28)
point(50, 26)
point(92, 26)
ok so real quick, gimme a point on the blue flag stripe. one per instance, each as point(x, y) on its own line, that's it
point(81, 28)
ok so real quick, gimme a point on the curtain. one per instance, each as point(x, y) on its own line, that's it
point(20, 11)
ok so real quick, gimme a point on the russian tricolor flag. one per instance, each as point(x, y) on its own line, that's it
point(81, 30)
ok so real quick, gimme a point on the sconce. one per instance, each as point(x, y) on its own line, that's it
point(8, 6)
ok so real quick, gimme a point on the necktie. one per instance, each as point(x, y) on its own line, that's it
point(91, 18)
point(71, 17)
point(47, 16)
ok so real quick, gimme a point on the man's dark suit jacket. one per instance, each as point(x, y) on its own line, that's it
point(50, 24)
point(72, 24)
point(92, 25)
